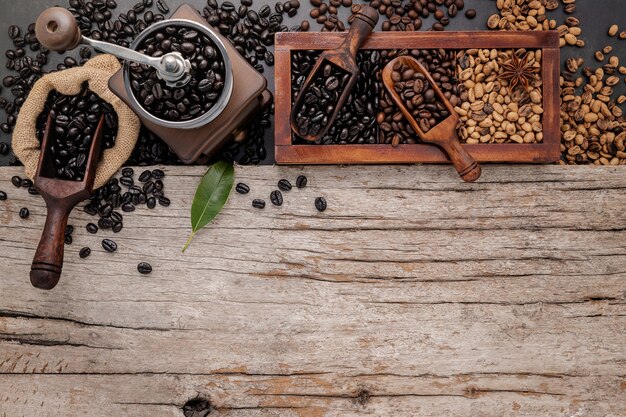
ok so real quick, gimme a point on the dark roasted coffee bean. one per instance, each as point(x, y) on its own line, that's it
point(105, 223)
point(158, 174)
point(109, 245)
point(144, 268)
point(150, 202)
point(26, 182)
point(258, 203)
point(14, 32)
point(301, 181)
point(69, 229)
point(3, 196)
point(128, 207)
point(84, 252)
point(164, 201)
point(92, 228)
point(145, 176)
point(470, 13)
point(105, 211)
point(276, 197)
point(33, 191)
point(68, 239)
point(16, 181)
point(242, 188)
point(90, 209)
point(127, 181)
point(284, 185)
point(24, 213)
point(320, 204)
point(116, 217)
point(117, 227)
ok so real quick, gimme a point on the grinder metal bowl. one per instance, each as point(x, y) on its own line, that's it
point(222, 101)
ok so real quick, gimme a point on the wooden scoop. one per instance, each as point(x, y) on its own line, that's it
point(61, 197)
point(444, 133)
point(343, 57)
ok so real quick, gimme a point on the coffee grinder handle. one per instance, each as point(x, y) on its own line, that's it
point(57, 29)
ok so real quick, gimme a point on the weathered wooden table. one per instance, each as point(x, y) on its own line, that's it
point(413, 295)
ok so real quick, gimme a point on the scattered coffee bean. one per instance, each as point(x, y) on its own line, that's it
point(470, 13)
point(284, 185)
point(258, 203)
point(3, 196)
point(144, 268)
point(301, 181)
point(164, 201)
point(276, 197)
point(320, 204)
point(128, 172)
point(16, 181)
point(242, 188)
point(92, 228)
point(85, 252)
point(24, 213)
point(109, 245)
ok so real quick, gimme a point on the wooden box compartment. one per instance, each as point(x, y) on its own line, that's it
point(545, 151)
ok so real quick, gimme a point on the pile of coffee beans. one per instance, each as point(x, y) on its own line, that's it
point(440, 63)
point(593, 127)
point(326, 14)
point(106, 200)
point(356, 121)
point(74, 122)
point(25, 61)
point(95, 19)
point(492, 112)
point(370, 116)
point(252, 31)
point(203, 90)
point(533, 15)
point(419, 96)
point(410, 15)
point(320, 99)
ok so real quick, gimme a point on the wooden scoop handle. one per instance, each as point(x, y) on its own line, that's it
point(57, 29)
point(48, 261)
point(364, 22)
point(465, 165)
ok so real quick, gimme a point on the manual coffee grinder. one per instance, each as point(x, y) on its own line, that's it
point(244, 93)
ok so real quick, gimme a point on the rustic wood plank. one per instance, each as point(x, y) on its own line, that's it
point(414, 294)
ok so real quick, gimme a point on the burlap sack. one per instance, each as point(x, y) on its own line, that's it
point(69, 82)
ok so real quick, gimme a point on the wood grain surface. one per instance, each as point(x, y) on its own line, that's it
point(414, 294)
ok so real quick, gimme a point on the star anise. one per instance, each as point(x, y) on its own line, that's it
point(518, 71)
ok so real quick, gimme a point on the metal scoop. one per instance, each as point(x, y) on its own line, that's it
point(57, 29)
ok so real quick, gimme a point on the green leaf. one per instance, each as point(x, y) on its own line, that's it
point(211, 195)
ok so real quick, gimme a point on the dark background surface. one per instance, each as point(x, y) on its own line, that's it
point(595, 15)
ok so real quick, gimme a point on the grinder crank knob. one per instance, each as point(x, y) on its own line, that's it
point(57, 29)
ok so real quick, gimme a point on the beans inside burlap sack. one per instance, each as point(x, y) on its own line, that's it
point(69, 82)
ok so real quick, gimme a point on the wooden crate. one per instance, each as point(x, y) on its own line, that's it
point(546, 151)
